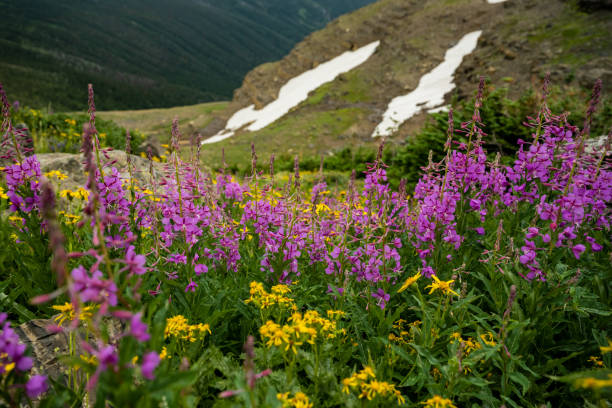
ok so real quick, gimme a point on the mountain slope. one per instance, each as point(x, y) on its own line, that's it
point(520, 41)
point(147, 53)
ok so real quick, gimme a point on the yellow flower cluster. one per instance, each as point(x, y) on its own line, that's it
point(306, 328)
point(70, 218)
point(71, 122)
point(470, 344)
point(438, 402)
point(405, 331)
point(4, 367)
point(80, 194)
point(596, 361)
point(16, 220)
point(596, 383)
point(177, 326)
point(164, 354)
point(3, 194)
point(443, 286)
point(56, 174)
point(67, 313)
point(299, 400)
point(264, 299)
point(365, 380)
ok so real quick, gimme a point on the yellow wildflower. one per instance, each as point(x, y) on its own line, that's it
point(57, 174)
point(6, 368)
point(164, 354)
point(67, 312)
point(438, 402)
point(606, 349)
point(299, 400)
point(444, 286)
point(591, 382)
point(178, 327)
point(370, 388)
point(596, 361)
point(3, 194)
point(15, 219)
point(488, 339)
point(409, 282)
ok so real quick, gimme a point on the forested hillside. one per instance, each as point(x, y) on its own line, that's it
point(147, 53)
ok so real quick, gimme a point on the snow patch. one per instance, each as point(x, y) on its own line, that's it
point(495, 1)
point(429, 94)
point(294, 92)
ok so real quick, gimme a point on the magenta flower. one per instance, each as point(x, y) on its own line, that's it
point(36, 385)
point(200, 269)
point(191, 286)
point(150, 361)
point(135, 263)
point(138, 329)
point(578, 250)
point(177, 258)
point(382, 297)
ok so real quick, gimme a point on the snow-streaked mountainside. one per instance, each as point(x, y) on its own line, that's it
point(432, 88)
point(430, 52)
point(296, 90)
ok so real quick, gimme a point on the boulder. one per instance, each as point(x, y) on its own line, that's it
point(72, 165)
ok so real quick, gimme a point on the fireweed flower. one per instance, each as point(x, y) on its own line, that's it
point(138, 329)
point(382, 297)
point(135, 263)
point(150, 361)
point(93, 288)
point(191, 286)
point(36, 385)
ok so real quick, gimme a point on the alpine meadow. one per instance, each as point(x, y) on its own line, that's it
point(411, 208)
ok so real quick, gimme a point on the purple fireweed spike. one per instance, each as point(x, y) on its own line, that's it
point(56, 238)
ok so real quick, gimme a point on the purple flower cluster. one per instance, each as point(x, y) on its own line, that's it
point(22, 181)
point(12, 357)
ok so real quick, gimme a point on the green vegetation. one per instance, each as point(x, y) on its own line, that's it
point(61, 132)
point(144, 55)
point(289, 136)
point(503, 118)
point(157, 122)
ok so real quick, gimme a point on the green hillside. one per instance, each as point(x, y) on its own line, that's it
point(147, 54)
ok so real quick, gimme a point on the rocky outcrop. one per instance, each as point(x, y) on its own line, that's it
point(49, 347)
point(72, 165)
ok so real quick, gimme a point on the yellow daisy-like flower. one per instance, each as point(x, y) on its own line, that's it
point(3, 194)
point(596, 361)
point(606, 349)
point(56, 174)
point(596, 383)
point(443, 286)
point(438, 402)
point(164, 354)
point(410, 281)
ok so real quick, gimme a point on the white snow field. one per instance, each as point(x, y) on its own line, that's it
point(429, 94)
point(294, 92)
point(495, 1)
